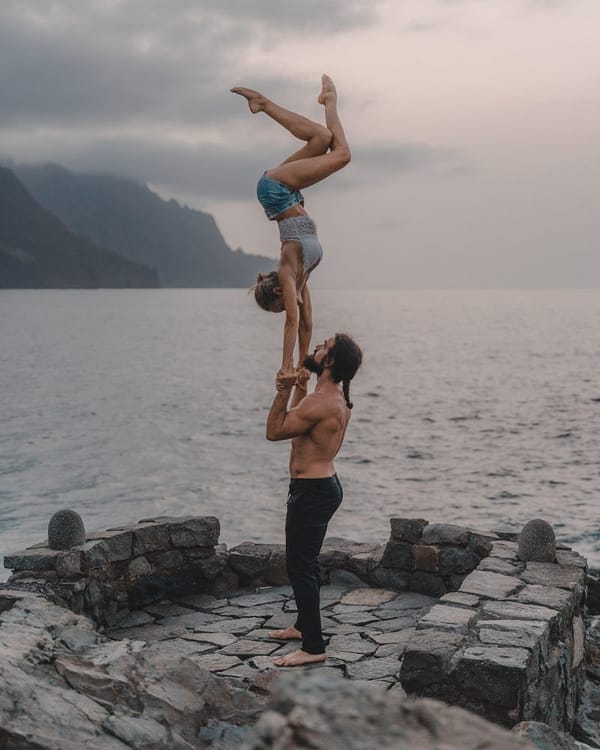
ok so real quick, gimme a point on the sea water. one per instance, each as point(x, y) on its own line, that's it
point(471, 407)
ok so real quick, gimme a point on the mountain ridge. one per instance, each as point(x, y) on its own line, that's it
point(37, 251)
point(183, 244)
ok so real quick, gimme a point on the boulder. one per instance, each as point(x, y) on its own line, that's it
point(544, 737)
point(322, 710)
point(537, 542)
point(65, 530)
point(407, 529)
point(593, 591)
point(445, 533)
point(587, 721)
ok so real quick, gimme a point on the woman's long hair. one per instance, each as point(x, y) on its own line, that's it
point(264, 293)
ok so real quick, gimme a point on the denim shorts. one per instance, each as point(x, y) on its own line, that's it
point(276, 197)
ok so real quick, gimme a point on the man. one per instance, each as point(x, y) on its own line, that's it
point(316, 424)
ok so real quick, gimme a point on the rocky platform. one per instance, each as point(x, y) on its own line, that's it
point(66, 687)
point(173, 650)
point(367, 630)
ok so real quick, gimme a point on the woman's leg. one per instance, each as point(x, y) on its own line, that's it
point(318, 138)
point(305, 171)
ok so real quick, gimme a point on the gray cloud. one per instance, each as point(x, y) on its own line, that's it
point(139, 61)
point(220, 172)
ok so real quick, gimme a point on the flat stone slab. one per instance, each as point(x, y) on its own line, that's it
point(447, 618)
point(520, 633)
point(547, 596)
point(535, 627)
point(32, 559)
point(281, 620)
point(133, 619)
point(344, 656)
point(374, 669)
point(343, 609)
point(200, 601)
point(490, 585)
point(390, 649)
point(551, 574)
point(519, 638)
point(166, 609)
point(352, 643)
point(398, 637)
point(255, 600)
point(193, 620)
point(356, 618)
point(505, 549)
point(245, 647)
point(369, 597)
point(407, 601)
point(183, 647)
point(239, 626)
point(148, 633)
point(500, 565)
point(216, 639)
point(342, 629)
point(460, 598)
point(410, 616)
point(570, 557)
point(517, 611)
point(216, 662)
point(263, 611)
point(387, 626)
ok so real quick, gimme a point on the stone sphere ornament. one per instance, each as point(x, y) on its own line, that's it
point(537, 542)
point(65, 530)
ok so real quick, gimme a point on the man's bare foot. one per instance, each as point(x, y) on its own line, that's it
point(289, 634)
point(256, 101)
point(328, 90)
point(296, 658)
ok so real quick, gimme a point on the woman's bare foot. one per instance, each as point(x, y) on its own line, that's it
point(296, 658)
point(289, 634)
point(328, 90)
point(256, 101)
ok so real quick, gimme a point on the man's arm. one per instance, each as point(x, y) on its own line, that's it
point(283, 424)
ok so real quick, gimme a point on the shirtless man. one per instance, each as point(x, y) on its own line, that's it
point(316, 424)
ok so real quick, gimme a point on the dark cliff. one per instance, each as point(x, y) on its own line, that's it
point(184, 245)
point(38, 252)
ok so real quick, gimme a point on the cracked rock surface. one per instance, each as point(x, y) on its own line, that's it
point(367, 630)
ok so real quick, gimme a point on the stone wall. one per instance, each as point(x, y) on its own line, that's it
point(509, 644)
point(422, 557)
point(157, 558)
point(505, 640)
point(126, 568)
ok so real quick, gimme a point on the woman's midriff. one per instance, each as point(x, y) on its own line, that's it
point(297, 210)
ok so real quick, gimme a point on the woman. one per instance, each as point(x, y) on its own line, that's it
point(278, 190)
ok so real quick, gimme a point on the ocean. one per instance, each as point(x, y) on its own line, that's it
point(472, 407)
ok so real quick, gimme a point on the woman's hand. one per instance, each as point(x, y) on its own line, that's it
point(302, 377)
point(286, 379)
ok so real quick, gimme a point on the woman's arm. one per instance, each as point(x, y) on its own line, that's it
point(287, 282)
point(305, 326)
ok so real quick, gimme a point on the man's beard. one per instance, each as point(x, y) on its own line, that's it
point(312, 365)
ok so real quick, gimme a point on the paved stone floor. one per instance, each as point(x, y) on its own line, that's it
point(367, 629)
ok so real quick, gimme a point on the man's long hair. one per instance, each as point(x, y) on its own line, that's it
point(347, 358)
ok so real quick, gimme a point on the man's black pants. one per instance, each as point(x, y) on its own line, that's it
point(310, 506)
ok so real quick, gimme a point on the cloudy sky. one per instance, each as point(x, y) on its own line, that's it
point(474, 124)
